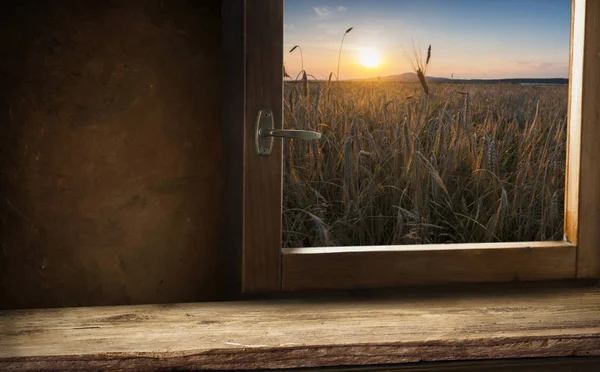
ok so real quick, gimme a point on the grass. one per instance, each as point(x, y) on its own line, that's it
point(478, 163)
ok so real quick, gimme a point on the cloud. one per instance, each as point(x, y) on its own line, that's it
point(324, 11)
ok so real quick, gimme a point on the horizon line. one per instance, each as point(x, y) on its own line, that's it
point(289, 78)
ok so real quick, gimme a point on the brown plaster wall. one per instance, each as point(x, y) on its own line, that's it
point(110, 152)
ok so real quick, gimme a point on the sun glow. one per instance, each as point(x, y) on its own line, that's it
point(369, 58)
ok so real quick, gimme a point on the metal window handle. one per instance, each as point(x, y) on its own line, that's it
point(290, 133)
point(265, 132)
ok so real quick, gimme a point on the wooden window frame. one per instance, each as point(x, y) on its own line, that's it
point(256, 195)
point(536, 320)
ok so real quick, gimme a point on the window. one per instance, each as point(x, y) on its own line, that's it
point(267, 267)
point(446, 124)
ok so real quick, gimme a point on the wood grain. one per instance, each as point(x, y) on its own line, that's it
point(478, 325)
point(371, 267)
point(588, 255)
point(261, 257)
point(233, 14)
point(571, 364)
point(573, 166)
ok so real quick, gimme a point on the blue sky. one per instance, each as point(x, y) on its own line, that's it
point(469, 38)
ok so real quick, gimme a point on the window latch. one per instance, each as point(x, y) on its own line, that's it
point(265, 132)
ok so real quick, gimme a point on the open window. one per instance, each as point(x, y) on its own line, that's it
point(539, 320)
point(266, 266)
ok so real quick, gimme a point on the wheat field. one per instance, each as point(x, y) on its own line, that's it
point(465, 163)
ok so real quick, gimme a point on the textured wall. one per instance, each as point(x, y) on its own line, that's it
point(110, 152)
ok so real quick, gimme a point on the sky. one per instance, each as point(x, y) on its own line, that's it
point(469, 39)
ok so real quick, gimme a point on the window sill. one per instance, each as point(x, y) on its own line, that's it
point(459, 325)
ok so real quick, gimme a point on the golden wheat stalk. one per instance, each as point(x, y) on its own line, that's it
point(420, 67)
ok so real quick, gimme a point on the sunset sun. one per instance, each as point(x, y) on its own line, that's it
point(369, 58)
